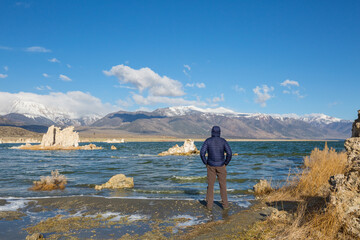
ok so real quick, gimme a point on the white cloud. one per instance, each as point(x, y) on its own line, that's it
point(147, 79)
point(37, 49)
point(198, 85)
point(153, 100)
point(186, 73)
point(5, 48)
point(3, 75)
point(239, 89)
point(218, 99)
point(187, 67)
point(75, 103)
point(263, 94)
point(6, 68)
point(22, 4)
point(41, 88)
point(286, 92)
point(288, 83)
point(68, 65)
point(46, 75)
point(297, 93)
point(54, 60)
point(64, 78)
point(125, 103)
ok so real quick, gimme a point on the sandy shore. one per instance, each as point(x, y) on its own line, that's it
point(115, 218)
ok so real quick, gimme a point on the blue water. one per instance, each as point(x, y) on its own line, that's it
point(179, 177)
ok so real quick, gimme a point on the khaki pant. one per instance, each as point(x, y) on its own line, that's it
point(220, 172)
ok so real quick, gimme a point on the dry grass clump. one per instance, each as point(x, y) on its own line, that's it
point(49, 183)
point(314, 217)
point(312, 181)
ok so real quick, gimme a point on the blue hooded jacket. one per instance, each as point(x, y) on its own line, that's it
point(215, 146)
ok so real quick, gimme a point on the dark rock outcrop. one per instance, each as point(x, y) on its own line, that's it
point(345, 190)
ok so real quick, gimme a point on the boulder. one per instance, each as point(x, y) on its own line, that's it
point(118, 181)
point(113, 147)
point(186, 149)
point(57, 137)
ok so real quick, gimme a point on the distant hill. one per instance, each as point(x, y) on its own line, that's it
point(196, 122)
point(6, 131)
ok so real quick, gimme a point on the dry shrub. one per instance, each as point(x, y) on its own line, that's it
point(311, 221)
point(48, 183)
point(312, 181)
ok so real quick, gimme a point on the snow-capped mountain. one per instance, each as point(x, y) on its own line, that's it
point(315, 118)
point(185, 121)
point(185, 110)
point(37, 113)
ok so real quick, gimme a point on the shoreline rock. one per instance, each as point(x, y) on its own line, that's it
point(118, 181)
point(345, 188)
point(187, 148)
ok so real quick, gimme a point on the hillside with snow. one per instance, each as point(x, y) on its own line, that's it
point(191, 121)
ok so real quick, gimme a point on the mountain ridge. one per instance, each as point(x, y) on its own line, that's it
point(186, 121)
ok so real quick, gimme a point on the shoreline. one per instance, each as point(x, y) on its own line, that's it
point(102, 218)
point(163, 139)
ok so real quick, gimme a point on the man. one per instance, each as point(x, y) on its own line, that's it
point(216, 164)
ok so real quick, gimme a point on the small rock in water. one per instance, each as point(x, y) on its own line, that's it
point(186, 149)
point(117, 181)
point(113, 147)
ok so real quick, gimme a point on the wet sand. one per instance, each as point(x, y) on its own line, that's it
point(111, 218)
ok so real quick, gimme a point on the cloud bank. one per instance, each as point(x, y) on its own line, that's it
point(76, 103)
point(146, 79)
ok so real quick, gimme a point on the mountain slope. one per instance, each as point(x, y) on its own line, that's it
point(195, 122)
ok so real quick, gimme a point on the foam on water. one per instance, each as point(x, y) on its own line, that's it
point(14, 205)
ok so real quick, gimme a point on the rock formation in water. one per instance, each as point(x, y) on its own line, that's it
point(113, 147)
point(187, 149)
point(345, 191)
point(49, 183)
point(57, 137)
point(117, 182)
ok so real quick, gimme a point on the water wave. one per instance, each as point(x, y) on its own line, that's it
point(188, 179)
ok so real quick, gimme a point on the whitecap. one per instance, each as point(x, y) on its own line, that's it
point(14, 205)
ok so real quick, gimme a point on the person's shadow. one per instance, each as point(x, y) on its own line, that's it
point(203, 202)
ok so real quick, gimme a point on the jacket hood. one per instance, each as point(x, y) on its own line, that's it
point(215, 131)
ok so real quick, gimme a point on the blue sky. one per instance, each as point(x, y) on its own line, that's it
point(249, 56)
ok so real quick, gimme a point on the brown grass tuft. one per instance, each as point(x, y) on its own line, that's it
point(49, 183)
point(314, 218)
point(312, 181)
